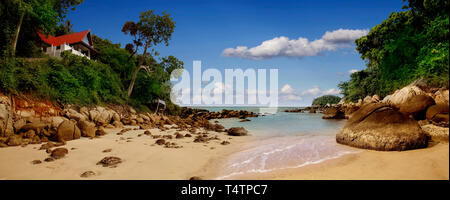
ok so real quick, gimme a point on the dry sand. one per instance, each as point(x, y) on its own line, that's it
point(142, 158)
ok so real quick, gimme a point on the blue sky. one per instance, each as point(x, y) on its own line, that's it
point(204, 29)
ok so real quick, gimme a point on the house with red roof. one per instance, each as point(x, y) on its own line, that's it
point(76, 43)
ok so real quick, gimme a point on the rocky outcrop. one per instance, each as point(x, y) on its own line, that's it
point(378, 126)
point(410, 100)
point(333, 113)
point(6, 115)
point(68, 130)
point(237, 131)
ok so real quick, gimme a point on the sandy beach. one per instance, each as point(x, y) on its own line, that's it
point(431, 163)
point(142, 158)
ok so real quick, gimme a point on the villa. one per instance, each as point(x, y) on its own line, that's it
point(77, 43)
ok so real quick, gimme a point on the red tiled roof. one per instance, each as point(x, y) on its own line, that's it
point(68, 39)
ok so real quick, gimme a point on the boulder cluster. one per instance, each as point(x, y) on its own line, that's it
point(72, 122)
point(406, 119)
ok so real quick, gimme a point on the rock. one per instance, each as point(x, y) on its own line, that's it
point(109, 126)
point(56, 121)
point(6, 124)
point(438, 113)
point(117, 124)
point(46, 146)
point(245, 120)
point(333, 113)
point(19, 124)
point(195, 178)
point(59, 153)
point(87, 174)
point(3, 145)
point(409, 100)
point(68, 130)
point(87, 128)
point(100, 131)
point(237, 131)
point(104, 117)
point(35, 162)
point(436, 133)
point(72, 114)
point(225, 143)
point(378, 126)
point(49, 159)
point(188, 135)
point(107, 150)
point(14, 140)
point(442, 97)
point(110, 161)
point(179, 136)
point(312, 110)
point(147, 132)
point(160, 142)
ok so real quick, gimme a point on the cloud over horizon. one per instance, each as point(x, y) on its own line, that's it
point(284, 47)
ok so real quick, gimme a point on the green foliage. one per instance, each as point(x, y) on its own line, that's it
point(409, 45)
point(326, 99)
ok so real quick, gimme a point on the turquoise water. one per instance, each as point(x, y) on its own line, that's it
point(282, 141)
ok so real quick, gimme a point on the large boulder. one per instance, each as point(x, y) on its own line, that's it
point(6, 123)
point(378, 126)
point(237, 131)
point(333, 113)
point(438, 113)
point(409, 100)
point(87, 128)
point(68, 130)
point(73, 114)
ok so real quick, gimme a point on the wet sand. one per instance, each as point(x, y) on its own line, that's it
point(431, 163)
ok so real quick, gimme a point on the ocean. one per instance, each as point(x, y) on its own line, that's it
point(282, 140)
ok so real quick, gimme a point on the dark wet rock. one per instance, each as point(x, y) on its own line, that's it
point(179, 136)
point(110, 161)
point(160, 142)
point(59, 153)
point(237, 131)
point(147, 132)
point(195, 178)
point(378, 126)
point(35, 162)
point(225, 143)
point(49, 159)
point(107, 150)
point(188, 135)
point(87, 174)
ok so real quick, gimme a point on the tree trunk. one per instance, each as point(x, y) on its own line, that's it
point(16, 35)
point(157, 107)
point(130, 88)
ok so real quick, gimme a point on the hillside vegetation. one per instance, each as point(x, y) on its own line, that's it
point(409, 45)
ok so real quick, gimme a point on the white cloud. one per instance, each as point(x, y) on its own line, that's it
point(314, 91)
point(352, 71)
point(287, 89)
point(301, 47)
point(331, 91)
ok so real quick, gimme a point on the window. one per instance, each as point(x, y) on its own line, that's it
point(58, 47)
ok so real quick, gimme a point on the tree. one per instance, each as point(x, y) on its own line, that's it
point(149, 31)
point(326, 99)
point(36, 14)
